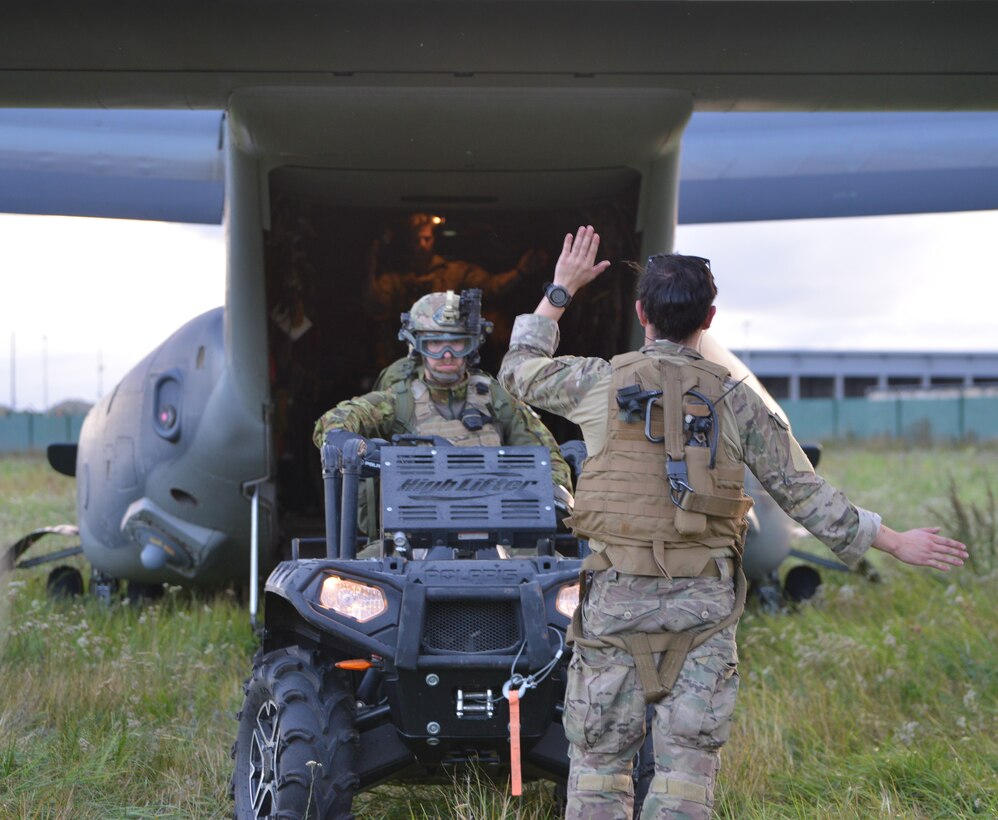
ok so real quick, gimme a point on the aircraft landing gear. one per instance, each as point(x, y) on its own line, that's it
point(103, 587)
point(768, 594)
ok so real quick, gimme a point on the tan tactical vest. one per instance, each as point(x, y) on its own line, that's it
point(428, 420)
point(624, 498)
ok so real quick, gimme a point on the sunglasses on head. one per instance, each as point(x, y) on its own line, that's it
point(700, 259)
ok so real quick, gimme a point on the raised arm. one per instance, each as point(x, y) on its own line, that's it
point(576, 268)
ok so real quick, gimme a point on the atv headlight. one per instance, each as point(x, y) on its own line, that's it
point(567, 600)
point(352, 599)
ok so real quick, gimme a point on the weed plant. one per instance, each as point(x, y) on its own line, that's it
point(973, 523)
point(872, 700)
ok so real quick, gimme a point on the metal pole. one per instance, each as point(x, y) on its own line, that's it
point(353, 455)
point(332, 486)
point(254, 553)
point(13, 369)
point(45, 374)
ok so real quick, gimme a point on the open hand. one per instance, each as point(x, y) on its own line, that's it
point(922, 547)
point(577, 266)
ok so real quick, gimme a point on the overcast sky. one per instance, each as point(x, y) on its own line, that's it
point(89, 298)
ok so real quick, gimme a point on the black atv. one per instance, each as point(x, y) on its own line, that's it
point(400, 666)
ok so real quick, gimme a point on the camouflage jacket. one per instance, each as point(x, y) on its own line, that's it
point(374, 416)
point(577, 388)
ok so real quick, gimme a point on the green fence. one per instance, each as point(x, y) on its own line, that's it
point(920, 420)
point(26, 432)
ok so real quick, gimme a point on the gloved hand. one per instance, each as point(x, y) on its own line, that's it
point(339, 438)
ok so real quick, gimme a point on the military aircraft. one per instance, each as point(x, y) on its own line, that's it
point(327, 124)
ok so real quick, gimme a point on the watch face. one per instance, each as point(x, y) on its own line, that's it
point(558, 296)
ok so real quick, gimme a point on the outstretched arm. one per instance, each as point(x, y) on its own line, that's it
point(921, 547)
point(776, 459)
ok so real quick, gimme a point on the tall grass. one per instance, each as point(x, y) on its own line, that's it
point(875, 700)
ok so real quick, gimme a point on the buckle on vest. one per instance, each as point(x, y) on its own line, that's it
point(474, 419)
point(630, 399)
point(678, 476)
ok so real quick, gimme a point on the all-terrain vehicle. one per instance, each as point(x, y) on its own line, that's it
point(402, 665)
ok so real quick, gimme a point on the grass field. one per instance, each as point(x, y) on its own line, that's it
point(874, 700)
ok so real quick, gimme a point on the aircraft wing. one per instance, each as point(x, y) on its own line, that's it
point(735, 167)
point(156, 165)
point(739, 167)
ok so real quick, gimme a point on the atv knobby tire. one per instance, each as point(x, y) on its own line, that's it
point(296, 744)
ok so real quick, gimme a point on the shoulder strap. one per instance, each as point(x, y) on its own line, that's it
point(405, 405)
point(399, 370)
point(624, 359)
point(711, 367)
point(672, 406)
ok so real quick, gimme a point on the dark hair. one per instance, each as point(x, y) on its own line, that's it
point(676, 293)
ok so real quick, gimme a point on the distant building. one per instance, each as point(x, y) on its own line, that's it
point(840, 374)
point(71, 407)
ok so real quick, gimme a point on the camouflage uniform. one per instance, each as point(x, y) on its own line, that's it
point(374, 416)
point(604, 707)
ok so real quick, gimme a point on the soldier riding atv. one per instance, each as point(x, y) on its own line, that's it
point(411, 661)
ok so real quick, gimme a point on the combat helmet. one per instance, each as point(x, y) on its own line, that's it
point(440, 323)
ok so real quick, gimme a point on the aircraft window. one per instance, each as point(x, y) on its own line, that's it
point(166, 407)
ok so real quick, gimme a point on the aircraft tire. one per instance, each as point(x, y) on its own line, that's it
point(64, 582)
point(295, 713)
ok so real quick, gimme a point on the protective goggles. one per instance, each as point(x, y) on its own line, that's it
point(436, 345)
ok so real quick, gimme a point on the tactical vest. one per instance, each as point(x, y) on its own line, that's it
point(625, 498)
point(654, 526)
point(416, 413)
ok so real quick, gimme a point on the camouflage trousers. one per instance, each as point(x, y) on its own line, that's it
point(604, 703)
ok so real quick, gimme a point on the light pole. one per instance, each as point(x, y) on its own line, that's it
point(13, 374)
point(45, 374)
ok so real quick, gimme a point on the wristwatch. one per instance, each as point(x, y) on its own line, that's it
point(557, 295)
